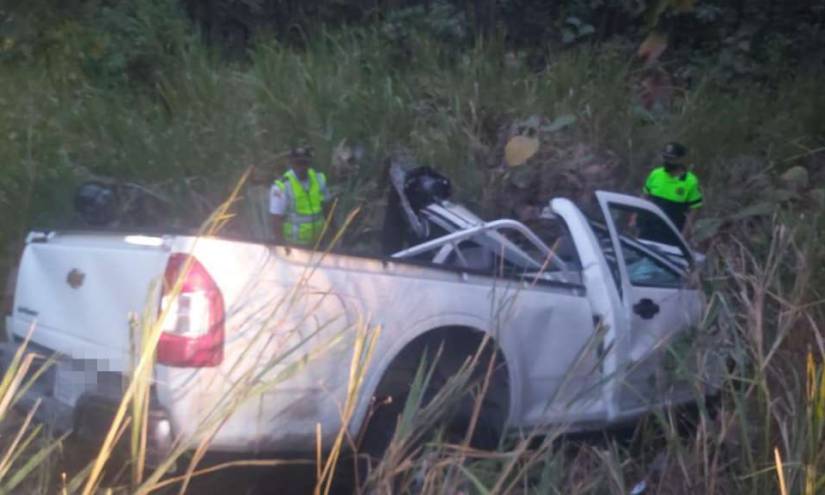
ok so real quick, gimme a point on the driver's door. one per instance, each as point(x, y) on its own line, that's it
point(659, 301)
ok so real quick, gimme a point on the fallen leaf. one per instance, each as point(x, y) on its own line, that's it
point(652, 47)
point(519, 149)
point(683, 6)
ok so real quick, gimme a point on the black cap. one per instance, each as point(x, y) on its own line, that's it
point(301, 154)
point(674, 151)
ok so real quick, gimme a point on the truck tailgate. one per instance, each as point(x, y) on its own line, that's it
point(80, 291)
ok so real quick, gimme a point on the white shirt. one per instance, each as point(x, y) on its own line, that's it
point(279, 200)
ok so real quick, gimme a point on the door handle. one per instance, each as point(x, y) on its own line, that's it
point(646, 308)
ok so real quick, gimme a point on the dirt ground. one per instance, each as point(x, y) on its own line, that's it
point(294, 479)
point(282, 480)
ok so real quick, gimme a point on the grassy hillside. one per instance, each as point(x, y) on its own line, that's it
point(162, 110)
point(136, 97)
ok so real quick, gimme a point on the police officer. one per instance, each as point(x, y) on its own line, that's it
point(298, 200)
point(674, 189)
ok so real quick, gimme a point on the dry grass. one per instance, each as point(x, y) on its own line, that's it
point(768, 435)
point(205, 121)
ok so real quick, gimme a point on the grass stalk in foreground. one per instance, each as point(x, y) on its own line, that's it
point(137, 392)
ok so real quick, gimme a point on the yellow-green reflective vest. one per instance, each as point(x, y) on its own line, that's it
point(304, 217)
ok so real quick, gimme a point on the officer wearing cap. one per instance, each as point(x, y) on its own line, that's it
point(297, 201)
point(674, 189)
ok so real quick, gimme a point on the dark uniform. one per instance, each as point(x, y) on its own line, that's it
point(676, 195)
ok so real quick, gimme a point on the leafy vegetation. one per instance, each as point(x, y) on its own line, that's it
point(129, 91)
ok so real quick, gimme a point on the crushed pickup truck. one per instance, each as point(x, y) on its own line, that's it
point(581, 324)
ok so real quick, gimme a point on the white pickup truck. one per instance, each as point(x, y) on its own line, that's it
point(581, 327)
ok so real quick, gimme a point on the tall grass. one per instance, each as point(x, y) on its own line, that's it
point(767, 436)
point(764, 436)
point(201, 122)
point(27, 449)
point(120, 461)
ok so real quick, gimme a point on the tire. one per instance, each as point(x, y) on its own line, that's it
point(393, 392)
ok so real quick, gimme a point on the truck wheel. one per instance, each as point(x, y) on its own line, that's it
point(392, 394)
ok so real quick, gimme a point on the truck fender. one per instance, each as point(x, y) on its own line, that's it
point(381, 365)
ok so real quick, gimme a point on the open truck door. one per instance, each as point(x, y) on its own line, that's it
point(598, 387)
point(658, 298)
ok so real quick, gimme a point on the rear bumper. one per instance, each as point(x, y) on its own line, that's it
point(91, 416)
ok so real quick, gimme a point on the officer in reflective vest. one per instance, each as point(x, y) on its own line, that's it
point(674, 189)
point(297, 202)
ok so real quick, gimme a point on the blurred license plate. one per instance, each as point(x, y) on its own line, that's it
point(70, 381)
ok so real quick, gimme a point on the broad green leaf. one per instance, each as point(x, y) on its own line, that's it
point(779, 195)
point(586, 30)
point(522, 178)
point(756, 210)
point(559, 123)
point(796, 177)
point(817, 197)
point(652, 47)
point(573, 21)
point(531, 123)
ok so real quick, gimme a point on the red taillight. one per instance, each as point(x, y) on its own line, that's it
point(192, 331)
